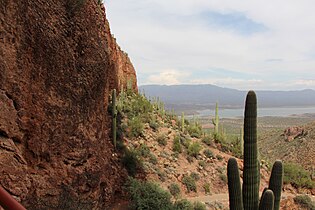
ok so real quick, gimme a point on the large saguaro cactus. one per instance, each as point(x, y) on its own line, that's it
point(251, 174)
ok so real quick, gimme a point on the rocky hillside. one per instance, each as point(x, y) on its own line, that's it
point(58, 64)
point(159, 148)
point(294, 144)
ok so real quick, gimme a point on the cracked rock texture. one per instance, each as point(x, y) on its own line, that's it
point(58, 65)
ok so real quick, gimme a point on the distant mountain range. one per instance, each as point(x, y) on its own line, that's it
point(205, 96)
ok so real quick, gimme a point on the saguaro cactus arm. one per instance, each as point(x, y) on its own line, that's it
point(234, 183)
point(267, 200)
point(275, 182)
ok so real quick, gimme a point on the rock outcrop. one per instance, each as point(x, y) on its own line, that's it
point(58, 64)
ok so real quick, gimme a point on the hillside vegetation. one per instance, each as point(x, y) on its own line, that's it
point(171, 155)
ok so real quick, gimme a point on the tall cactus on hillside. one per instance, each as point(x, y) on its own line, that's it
point(183, 122)
point(114, 117)
point(251, 174)
point(215, 121)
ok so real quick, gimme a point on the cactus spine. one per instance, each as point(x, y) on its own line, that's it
point(114, 116)
point(215, 121)
point(234, 183)
point(251, 169)
point(271, 196)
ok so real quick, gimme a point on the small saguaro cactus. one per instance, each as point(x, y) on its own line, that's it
point(183, 122)
point(215, 121)
point(251, 174)
point(114, 116)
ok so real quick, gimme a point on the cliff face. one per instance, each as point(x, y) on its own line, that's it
point(58, 64)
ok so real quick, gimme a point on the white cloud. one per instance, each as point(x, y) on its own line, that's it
point(169, 34)
point(167, 77)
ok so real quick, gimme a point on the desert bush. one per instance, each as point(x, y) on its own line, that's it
point(224, 178)
point(190, 183)
point(195, 176)
point(202, 163)
point(208, 153)
point(297, 176)
point(136, 127)
point(153, 159)
point(194, 130)
point(206, 187)
point(162, 175)
point(162, 139)
point(143, 150)
point(154, 125)
point(194, 149)
point(304, 201)
point(207, 140)
point(148, 195)
point(131, 162)
point(176, 145)
point(185, 141)
point(174, 190)
point(183, 204)
point(199, 206)
point(219, 157)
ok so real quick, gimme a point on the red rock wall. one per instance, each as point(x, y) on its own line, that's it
point(58, 64)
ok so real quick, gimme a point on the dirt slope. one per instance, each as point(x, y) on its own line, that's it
point(294, 144)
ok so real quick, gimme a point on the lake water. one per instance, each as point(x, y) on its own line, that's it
point(262, 112)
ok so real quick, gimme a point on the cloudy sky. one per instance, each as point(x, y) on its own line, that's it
point(243, 44)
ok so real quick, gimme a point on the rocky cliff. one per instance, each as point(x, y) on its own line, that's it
point(58, 64)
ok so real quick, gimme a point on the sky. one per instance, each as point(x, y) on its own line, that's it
point(242, 44)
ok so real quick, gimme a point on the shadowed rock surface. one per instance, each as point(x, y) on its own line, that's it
point(58, 64)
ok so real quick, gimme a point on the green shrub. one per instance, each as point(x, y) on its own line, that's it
point(206, 187)
point(162, 139)
point(207, 140)
point(194, 130)
point(218, 138)
point(183, 204)
point(144, 150)
point(174, 190)
point(219, 157)
point(131, 162)
point(304, 201)
point(154, 125)
point(224, 178)
point(208, 153)
point(202, 163)
point(199, 206)
point(177, 147)
point(185, 141)
point(148, 195)
point(162, 175)
point(135, 127)
point(195, 176)
point(190, 183)
point(297, 176)
point(153, 159)
point(194, 149)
